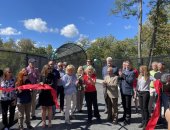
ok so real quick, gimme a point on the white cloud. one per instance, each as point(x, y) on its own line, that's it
point(127, 27)
point(69, 31)
point(9, 31)
point(82, 36)
point(38, 25)
point(109, 24)
point(0, 24)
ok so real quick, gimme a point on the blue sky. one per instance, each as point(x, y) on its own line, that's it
point(58, 21)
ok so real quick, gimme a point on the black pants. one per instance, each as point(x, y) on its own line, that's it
point(60, 92)
point(144, 102)
point(126, 101)
point(91, 99)
point(8, 105)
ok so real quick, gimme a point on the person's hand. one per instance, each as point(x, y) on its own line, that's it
point(77, 82)
point(104, 84)
point(41, 83)
point(120, 73)
point(19, 90)
point(134, 94)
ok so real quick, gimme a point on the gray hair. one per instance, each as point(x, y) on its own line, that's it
point(109, 59)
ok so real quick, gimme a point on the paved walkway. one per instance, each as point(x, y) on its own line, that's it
point(80, 122)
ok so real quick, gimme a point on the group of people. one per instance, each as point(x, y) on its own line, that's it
point(71, 86)
point(136, 85)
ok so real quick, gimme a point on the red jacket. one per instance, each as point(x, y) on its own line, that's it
point(89, 86)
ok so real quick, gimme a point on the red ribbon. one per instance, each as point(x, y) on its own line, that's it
point(153, 120)
point(35, 87)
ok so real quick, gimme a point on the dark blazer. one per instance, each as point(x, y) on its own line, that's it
point(127, 82)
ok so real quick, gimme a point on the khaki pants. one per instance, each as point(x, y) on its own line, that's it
point(112, 108)
point(24, 108)
point(80, 96)
point(105, 98)
point(33, 102)
point(70, 108)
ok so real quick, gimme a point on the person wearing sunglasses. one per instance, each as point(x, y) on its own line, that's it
point(8, 99)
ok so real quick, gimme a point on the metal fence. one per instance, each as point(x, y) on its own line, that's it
point(118, 63)
point(72, 54)
point(18, 60)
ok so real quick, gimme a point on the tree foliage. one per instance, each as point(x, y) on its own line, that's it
point(125, 8)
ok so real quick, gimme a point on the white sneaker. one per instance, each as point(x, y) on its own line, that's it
point(6, 128)
point(62, 113)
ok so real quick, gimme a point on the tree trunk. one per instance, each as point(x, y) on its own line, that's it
point(139, 32)
point(155, 26)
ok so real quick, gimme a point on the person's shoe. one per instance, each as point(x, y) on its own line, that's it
point(34, 117)
point(6, 128)
point(20, 128)
point(144, 125)
point(121, 119)
point(105, 112)
point(141, 125)
point(136, 111)
point(49, 125)
point(80, 111)
point(99, 120)
point(115, 122)
point(43, 125)
point(126, 122)
point(62, 113)
point(72, 117)
point(30, 127)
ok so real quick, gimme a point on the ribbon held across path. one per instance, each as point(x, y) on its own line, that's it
point(35, 87)
point(155, 116)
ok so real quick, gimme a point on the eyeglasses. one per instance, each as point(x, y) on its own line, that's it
point(26, 75)
point(9, 72)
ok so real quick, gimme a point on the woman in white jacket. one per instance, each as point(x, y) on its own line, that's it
point(143, 87)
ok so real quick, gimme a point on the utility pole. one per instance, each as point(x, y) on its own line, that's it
point(139, 32)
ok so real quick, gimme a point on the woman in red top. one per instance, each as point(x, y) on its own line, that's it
point(91, 93)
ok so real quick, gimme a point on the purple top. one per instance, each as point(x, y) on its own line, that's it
point(33, 74)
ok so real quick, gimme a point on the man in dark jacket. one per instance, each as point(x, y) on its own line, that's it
point(127, 77)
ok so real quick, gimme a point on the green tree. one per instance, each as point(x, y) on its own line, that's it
point(84, 43)
point(10, 45)
point(40, 51)
point(26, 45)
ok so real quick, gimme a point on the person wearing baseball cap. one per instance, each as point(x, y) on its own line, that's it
point(33, 76)
point(31, 60)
